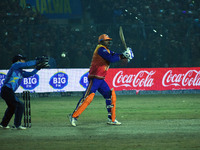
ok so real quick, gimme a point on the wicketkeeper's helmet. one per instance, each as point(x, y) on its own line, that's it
point(18, 57)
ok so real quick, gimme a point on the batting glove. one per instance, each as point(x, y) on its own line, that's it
point(128, 53)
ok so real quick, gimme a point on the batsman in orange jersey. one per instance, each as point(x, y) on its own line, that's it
point(102, 57)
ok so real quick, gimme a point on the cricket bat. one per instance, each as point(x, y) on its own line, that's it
point(121, 34)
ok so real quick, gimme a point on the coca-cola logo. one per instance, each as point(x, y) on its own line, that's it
point(141, 79)
point(190, 78)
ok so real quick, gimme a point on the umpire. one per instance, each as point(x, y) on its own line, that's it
point(12, 81)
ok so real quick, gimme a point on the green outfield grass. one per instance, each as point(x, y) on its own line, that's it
point(149, 122)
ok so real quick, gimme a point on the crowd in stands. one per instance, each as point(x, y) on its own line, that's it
point(161, 33)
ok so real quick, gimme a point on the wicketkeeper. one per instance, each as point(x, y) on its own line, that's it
point(102, 57)
point(12, 81)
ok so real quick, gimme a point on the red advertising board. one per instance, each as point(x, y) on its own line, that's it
point(154, 78)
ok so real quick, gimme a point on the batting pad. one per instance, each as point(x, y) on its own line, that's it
point(113, 99)
point(83, 106)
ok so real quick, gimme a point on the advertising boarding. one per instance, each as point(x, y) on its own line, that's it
point(138, 79)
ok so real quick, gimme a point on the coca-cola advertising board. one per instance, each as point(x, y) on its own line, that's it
point(63, 80)
point(154, 78)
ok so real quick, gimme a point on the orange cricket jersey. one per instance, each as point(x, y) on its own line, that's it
point(99, 66)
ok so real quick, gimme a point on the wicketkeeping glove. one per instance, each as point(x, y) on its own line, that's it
point(128, 53)
point(42, 65)
point(42, 62)
point(41, 59)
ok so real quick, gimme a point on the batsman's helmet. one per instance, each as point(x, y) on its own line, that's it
point(18, 57)
point(104, 37)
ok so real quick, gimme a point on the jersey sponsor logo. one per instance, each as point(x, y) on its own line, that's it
point(30, 83)
point(2, 78)
point(84, 80)
point(104, 50)
point(59, 80)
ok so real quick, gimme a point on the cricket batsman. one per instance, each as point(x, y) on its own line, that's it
point(12, 81)
point(102, 57)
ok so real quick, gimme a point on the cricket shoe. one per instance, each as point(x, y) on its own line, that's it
point(72, 120)
point(110, 122)
point(19, 128)
point(7, 127)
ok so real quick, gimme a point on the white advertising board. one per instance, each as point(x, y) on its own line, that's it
point(52, 80)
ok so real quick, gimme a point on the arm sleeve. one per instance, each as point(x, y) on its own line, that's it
point(24, 65)
point(28, 74)
point(111, 57)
